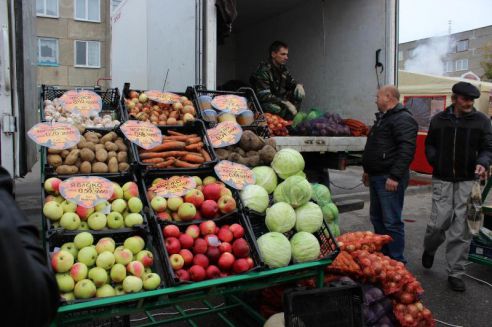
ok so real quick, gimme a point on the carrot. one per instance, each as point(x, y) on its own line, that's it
point(193, 158)
point(206, 155)
point(153, 160)
point(193, 140)
point(175, 133)
point(150, 155)
point(181, 138)
point(165, 154)
point(164, 164)
point(168, 146)
point(194, 147)
point(184, 164)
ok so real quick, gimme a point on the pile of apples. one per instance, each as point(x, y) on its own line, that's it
point(84, 270)
point(206, 251)
point(122, 210)
point(208, 200)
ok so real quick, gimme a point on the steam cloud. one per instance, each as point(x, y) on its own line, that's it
point(428, 57)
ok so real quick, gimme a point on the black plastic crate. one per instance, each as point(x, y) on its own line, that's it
point(120, 179)
point(195, 127)
point(481, 249)
point(230, 219)
point(110, 100)
point(147, 178)
point(339, 306)
point(248, 93)
point(50, 171)
point(57, 239)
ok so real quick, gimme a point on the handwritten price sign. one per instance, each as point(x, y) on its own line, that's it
point(144, 134)
point(86, 103)
point(230, 103)
point(233, 174)
point(174, 186)
point(86, 191)
point(57, 136)
point(162, 97)
point(225, 134)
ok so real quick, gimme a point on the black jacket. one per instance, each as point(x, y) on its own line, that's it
point(454, 146)
point(29, 293)
point(391, 144)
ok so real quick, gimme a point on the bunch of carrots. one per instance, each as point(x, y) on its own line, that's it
point(177, 150)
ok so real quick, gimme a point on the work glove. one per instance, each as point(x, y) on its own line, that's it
point(299, 93)
point(289, 106)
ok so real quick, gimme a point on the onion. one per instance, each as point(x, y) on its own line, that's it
point(407, 298)
point(408, 319)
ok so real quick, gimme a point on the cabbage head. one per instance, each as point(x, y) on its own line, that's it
point(280, 217)
point(265, 176)
point(287, 162)
point(330, 213)
point(255, 198)
point(309, 218)
point(295, 190)
point(305, 247)
point(321, 194)
point(278, 194)
point(275, 249)
point(335, 229)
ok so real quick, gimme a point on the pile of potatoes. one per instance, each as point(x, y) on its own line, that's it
point(95, 153)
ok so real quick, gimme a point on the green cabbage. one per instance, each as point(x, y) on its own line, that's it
point(255, 198)
point(335, 229)
point(275, 249)
point(321, 194)
point(330, 212)
point(287, 162)
point(305, 247)
point(266, 177)
point(280, 217)
point(295, 190)
point(309, 218)
point(278, 194)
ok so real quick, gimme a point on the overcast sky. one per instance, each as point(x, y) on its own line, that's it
point(425, 18)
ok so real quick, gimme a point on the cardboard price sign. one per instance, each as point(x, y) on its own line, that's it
point(233, 174)
point(144, 134)
point(162, 97)
point(230, 103)
point(86, 103)
point(87, 191)
point(225, 134)
point(174, 186)
point(58, 136)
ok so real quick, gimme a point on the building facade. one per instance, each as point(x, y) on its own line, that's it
point(73, 40)
point(459, 53)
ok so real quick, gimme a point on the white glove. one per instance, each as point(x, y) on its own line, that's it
point(299, 92)
point(290, 107)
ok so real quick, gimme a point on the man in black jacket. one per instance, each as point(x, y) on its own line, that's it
point(29, 293)
point(388, 153)
point(459, 148)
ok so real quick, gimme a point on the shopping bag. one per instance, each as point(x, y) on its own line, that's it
point(474, 215)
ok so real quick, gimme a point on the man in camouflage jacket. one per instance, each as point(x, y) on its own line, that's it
point(275, 87)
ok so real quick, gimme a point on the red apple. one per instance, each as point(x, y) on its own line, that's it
point(240, 248)
point(171, 231)
point(164, 216)
point(193, 231)
point(223, 274)
point(151, 194)
point(225, 191)
point(207, 227)
point(177, 261)
point(83, 213)
point(209, 209)
point(186, 241)
point(197, 273)
point(175, 216)
point(225, 247)
point(237, 230)
point(226, 261)
point(213, 253)
point(172, 245)
point(200, 246)
point(201, 260)
point(195, 197)
point(198, 216)
point(183, 275)
point(226, 204)
point(240, 266)
point(225, 235)
point(250, 262)
point(216, 230)
point(212, 191)
point(187, 256)
point(212, 240)
point(213, 272)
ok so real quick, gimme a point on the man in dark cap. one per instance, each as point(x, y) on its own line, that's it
point(459, 148)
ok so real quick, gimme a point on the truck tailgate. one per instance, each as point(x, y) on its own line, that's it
point(321, 143)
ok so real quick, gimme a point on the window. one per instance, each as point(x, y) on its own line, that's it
point(461, 64)
point(449, 67)
point(47, 52)
point(424, 107)
point(87, 54)
point(47, 8)
point(462, 45)
point(89, 10)
point(400, 55)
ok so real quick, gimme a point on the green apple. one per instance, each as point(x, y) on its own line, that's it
point(174, 203)
point(70, 221)
point(52, 210)
point(118, 273)
point(198, 180)
point(70, 247)
point(55, 224)
point(84, 289)
point(136, 268)
point(65, 282)
point(123, 256)
point(105, 260)
point(97, 221)
point(87, 255)
point(134, 244)
point(119, 289)
point(103, 207)
point(67, 297)
point(157, 180)
point(133, 219)
point(68, 206)
point(62, 261)
point(98, 275)
point(135, 204)
point(145, 257)
point(151, 281)
point(147, 270)
point(117, 192)
point(105, 291)
point(105, 244)
point(79, 271)
point(84, 225)
point(83, 239)
point(118, 205)
point(132, 284)
point(130, 189)
point(159, 204)
point(115, 220)
point(59, 199)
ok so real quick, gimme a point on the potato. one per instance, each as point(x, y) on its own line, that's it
point(113, 165)
point(123, 166)
point(88, 145)
point(99, 147)
point(54, 160)
point(54, 151)
point(223, 154)
point(111, 154)
point(72, 157)
point(121, 145)
point(87, 154)
point(85, 167)
point(67, 170)
point(101, 155)
point(250, 141)
point(110, 146)
point(110, 137)
point(122, 156)
point(267, 153)
point(99, 167)
point(64, 153)
point(119, 139)
point(78, 163)
point(91, 137)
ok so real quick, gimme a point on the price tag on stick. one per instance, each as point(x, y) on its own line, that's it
point(174, 186)
point(87, 191)
point(162, 97)
point(86, 103)
point(233, 174)
point(58, 136)
point(230, 103)
point(144, 134)
point(225, 134)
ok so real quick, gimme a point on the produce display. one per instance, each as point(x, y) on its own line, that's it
point(86, 269)
point(317, 124)
point(140, 107)
point(251, 150)
point(277, 125)
point(54, 112)
point(178, 150)
point(95, 153)
point(207, 251)
point(123, 210)
point(210, 199)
